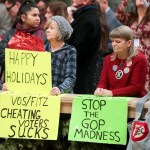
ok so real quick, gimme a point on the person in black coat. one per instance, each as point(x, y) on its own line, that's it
point(86, 39)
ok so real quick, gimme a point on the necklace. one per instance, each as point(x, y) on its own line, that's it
point(119, 72)
point(121, 64)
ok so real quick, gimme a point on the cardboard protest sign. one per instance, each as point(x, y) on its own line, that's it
point(28, 71)
point(99, 119)
point(29, 116)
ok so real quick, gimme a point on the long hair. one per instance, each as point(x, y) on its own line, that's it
point(103, 48)
point(58, 9)
point(134, 16)
point(25, 7)
point(104, 30)
point(124, 32)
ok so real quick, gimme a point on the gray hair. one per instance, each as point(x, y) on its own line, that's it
point(63, 26)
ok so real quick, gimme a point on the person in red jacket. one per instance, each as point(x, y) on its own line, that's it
point(124, 71)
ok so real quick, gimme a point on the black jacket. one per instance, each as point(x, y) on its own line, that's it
point(86, 39)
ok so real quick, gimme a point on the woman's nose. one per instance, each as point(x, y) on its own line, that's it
point(113, 43)
point(45, 15)
point(48, 30)
point(37, 17)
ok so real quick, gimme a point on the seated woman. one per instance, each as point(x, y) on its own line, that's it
point(124, 71)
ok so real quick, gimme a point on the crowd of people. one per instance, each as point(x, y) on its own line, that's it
point(95, 50)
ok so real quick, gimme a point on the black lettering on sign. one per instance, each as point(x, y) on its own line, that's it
point(45, 131)
point(12, 128)
point(87, 123)
point(93, 104)
point(29, 101)
point(30, 129)
point(20, 113)
point(26, 77)
point(98, 135)
point(78, 132)
point(91, 114)
point(28, 59)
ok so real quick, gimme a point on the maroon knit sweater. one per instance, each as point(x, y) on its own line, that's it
point(121, 81)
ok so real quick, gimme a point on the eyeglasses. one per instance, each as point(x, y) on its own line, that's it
point(8, 8)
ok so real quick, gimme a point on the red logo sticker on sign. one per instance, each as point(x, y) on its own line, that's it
point(139, 131)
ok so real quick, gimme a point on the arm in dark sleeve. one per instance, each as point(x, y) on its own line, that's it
point(70, 73)
point(4, 44)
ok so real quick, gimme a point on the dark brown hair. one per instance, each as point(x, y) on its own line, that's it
point(104, 30)
point(59, 9)
point(134, 16)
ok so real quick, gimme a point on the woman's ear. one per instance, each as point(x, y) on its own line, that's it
point(23, 17)
point(18, 4)
point(129, 42)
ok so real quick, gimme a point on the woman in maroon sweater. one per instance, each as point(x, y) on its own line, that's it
point(124, 71)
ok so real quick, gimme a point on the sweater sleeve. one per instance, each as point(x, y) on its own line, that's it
point(70, 73)
point(138, 78)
